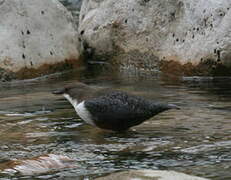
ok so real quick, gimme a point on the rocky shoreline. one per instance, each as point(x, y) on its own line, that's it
point(190, 38)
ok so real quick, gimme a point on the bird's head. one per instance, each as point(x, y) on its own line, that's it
point(76, 91)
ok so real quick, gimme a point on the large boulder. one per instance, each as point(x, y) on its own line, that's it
point(189, 37)
point(149, 175)
point(36, 38)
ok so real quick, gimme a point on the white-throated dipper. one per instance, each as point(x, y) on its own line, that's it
point(110, 109)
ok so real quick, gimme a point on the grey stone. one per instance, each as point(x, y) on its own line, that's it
point(35, 33)
point(190, 31)
point(149, 175)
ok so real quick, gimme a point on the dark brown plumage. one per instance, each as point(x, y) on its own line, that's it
point(110, 109)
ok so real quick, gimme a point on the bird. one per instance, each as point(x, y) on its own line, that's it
point(110, 109)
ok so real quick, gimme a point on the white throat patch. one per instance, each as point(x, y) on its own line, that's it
point(72, 101)
point(80, 109)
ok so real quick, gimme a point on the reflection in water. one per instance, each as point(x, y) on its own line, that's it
point(194, 140)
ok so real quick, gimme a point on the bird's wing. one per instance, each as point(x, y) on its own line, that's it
point(118, 110)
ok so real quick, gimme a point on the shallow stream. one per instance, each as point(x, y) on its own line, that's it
point(195, 140)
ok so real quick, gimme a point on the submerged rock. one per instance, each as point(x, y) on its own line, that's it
point(190, 37)
point(37, 37)
point(42, 164)
point(149, 175)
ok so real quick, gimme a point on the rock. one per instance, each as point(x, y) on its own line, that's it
point(149, 175)
point(38, 165)
point(190, 37)
point(37, 37)
point(74, 7)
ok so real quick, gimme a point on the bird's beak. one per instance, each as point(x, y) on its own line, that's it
point(173, 106)
point(59, 91)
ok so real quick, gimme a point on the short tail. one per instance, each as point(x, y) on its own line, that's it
point(160, 107)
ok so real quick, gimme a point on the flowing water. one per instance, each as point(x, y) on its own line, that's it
point(195, 140)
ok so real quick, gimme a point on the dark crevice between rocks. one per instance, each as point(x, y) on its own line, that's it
point(88, 52)
point(96, 64)
point(101, 61)
point(6, 75)
point(74, 7)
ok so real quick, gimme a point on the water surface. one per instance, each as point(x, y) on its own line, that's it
point(195, 140)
